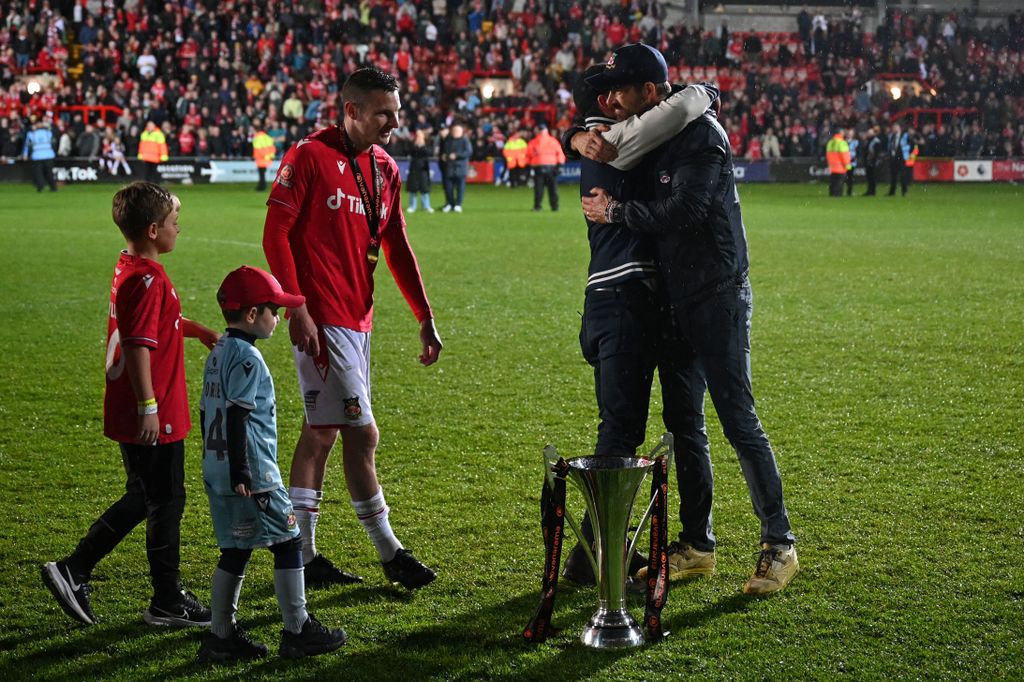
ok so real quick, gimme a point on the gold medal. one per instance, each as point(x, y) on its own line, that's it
point(373, 253)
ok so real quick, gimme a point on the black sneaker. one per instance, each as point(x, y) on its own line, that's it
point(577, 567)
point(314, 639)
point(187, 611)
point(320, 572)
point(636, 562)
point(407, 570)
point(238, 647)
point(71, 591)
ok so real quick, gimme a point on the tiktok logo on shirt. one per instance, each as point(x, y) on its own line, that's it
point(334, 203)
point(353, 204)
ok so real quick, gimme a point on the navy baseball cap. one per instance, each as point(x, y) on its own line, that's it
point(632, 64)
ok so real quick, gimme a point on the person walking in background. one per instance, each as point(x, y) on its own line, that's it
point(152, 150)
point(899, 151)
point(443, 165)
point(872, 157)
point(113, 153)
point(514, 153)
point(263, 152)
point(837, 154)
point(545, 157)
point(39, 148)
point(907, 172)
point(88, 145)
point(418, 183)
point(327, 250)
point(456, 151)
point(853, 141)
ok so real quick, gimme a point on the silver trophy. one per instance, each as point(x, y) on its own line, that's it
point(610, 486)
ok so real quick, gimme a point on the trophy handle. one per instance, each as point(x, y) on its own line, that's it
point(666, 446)
point(550, 457)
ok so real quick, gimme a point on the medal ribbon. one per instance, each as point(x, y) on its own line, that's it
point(657, 568)
point(372, 207)
point(552, 519)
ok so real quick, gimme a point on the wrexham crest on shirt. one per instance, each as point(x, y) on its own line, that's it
point(285, 174)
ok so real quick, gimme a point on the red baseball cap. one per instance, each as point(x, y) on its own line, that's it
point(248, 286)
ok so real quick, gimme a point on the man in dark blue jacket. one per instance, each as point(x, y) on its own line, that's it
point(692, 209)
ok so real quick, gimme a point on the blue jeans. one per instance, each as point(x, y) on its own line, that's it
point(710, 346)
point(455, 189)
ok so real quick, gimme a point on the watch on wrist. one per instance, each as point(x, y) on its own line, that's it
point(614, 212)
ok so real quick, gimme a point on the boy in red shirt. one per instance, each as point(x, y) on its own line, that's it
point(145, 410)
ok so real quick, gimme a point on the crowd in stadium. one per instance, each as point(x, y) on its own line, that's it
point(210, 79)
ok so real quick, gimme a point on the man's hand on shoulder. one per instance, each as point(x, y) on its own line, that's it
point(303, 332)
point(430, 341)
point(593, 146)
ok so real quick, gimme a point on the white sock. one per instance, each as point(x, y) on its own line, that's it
point(224, 602)
point(289, 586)
point(373, 514)
point(306, 504)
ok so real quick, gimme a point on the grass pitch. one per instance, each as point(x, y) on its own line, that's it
point(887, 365)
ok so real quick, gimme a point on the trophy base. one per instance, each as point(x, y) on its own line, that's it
point(612, 630)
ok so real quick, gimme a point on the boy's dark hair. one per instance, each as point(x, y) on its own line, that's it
point(364, 81)
point(138, 205)
point(236, 316)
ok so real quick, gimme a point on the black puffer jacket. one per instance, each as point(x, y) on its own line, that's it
point(693, 208)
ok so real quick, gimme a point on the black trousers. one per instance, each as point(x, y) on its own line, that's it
point(872, 180)
point(545, 176)
point(619, 338)
point(901, 173)
point(154, 493)
point(849, 183)
point(835, 184)
point(42, 175)
point(262, 172)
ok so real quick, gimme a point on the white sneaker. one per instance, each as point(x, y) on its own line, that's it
point(411, 209)
point(776, 567)
point(429, 210)
point(458, 209)
point(446, 208)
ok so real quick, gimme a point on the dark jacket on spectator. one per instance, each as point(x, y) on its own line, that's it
point(419, 170)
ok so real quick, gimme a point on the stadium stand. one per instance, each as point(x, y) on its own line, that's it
point(208, 73)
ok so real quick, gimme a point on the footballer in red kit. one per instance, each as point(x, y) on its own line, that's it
point(334, 206)
point(318, 234)
point(145, 311)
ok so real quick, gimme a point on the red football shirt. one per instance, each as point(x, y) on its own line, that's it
point(316, 233)
point(145, 311)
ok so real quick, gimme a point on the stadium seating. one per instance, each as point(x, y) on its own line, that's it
point(246, 69)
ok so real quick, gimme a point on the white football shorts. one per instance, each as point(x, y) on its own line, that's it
point(335, 384)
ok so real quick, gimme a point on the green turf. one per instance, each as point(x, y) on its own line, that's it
point(887, 364)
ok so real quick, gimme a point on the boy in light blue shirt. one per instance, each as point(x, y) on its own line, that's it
point(249, 505)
